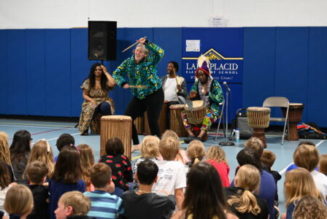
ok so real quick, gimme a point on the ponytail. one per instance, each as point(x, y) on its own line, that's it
point(245, 203)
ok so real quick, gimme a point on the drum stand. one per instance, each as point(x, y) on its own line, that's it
point(226, 142)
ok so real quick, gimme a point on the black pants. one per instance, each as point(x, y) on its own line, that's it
point(152, 104)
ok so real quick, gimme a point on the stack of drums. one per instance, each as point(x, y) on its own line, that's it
point(116, 126)
point(258, 119)
point(176, 121)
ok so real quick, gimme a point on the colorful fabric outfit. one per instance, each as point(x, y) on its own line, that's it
point(121, 169)
point(104, 205)
point(88, 109)
point(211, 100)
point(148, 98)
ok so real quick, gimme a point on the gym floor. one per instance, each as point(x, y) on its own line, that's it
point(51, 131)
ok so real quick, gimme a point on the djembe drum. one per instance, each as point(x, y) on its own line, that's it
point(116, 126)
point(294, 117)
point(258, 119)
point(195, 114)
point(176, 121)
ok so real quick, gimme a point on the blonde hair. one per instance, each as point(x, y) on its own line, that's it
point(168, 148)
point(150, 146)
point(216, 153)
point(4, 148)
point(323, 164)
point(299, 183)
point(19, 200)
point(268, 158)
point(195, 151)
point(170, 133)
point(256, 144)
point(248, 178)
point(145, 50)
point(87, 161)
point(309, 207)
point(79, 202)
point(306, 156)
point(42, 151)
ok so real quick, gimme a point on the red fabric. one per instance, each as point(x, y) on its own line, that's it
point(205, 71)
point(223, 171)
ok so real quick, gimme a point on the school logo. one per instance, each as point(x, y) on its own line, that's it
point(222, 68)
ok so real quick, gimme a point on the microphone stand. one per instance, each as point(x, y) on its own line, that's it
point(226, 142)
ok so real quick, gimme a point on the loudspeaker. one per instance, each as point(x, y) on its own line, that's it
point(102, 40)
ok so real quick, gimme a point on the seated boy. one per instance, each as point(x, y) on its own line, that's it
point(73, 205)
point(37, 172)
point(103, 204)
point(142, 203)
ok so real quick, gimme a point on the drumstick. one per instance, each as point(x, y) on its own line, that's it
point(137, 86)
point(131, 45)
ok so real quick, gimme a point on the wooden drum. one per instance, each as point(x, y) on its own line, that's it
point(196, 114)
point(258, 119)
point(176, 121)
point(116, 126)
point(294, 117)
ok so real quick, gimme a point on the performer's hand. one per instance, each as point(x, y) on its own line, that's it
point(142, 40)
point(104, 69)
point(192, 94)
point(126, 86)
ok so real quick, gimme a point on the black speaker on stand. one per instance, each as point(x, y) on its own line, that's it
point(102, 40)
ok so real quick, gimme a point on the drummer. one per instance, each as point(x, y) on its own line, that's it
point(209, 91)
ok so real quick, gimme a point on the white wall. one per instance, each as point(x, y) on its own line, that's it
point(163, 13)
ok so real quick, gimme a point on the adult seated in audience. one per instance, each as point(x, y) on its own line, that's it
point(103, 204)
point(242, 198)
point(95, 94)
point(20, 149)
point(73, 205)
point(298, 183)
point(204, 195)
point(143, 203)
point(307, 156)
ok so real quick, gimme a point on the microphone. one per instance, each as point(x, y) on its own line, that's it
point(226, 86)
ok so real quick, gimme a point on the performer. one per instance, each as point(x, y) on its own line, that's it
point(95, 93)
point(209, 90)
point(173, 85)
point(141, 72)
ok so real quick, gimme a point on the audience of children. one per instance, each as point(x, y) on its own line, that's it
point(242, 198)
point(5, 153)
point(195, 152)
point(143, 203)
point(19, 153)
point(36, 173)
point(120, 165)
point(87, 161)
point(66, 176)
point(182, 155)
point(5, 180)
point(64, 140)
point(171, 176)
point(293, 165)
point(216, 157)
point(310, 207)
point(103, 204)
point(73, 205)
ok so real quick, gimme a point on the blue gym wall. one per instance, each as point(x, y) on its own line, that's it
point(41, 69)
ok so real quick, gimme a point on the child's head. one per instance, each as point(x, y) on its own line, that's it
point(5, 178)
point(168, 148)
point(147, 172)
point(4, 148)
point(87, 161)
point(19, 200)
point(72, 204)
point(196, 151)
point(150, 146)
point(68, 166)
point(248, 156)
point(42, 151)
point(65, 140)
point(114, 146)
point(323, 164)
point(306, 156)
point(216, 153)
point(100, 175)
point(36, 172)
point(170, 133)
point(248, 177)
point(268, 158)
point(309, 207)
point(256, 144)
point(299, 183)
point(21, 143)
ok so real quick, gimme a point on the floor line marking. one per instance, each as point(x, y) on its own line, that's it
point(284, 170)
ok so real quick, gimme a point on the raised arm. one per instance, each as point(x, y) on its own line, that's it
point(111, 81)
